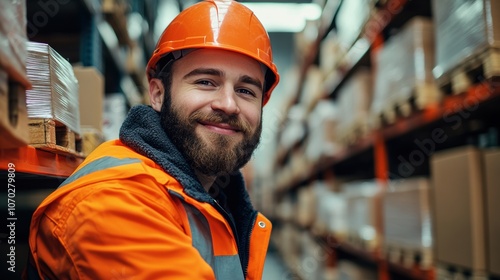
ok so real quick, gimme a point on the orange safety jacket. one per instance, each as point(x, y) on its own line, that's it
point(120, 215)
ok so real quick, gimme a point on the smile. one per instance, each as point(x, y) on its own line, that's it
point(220, 128)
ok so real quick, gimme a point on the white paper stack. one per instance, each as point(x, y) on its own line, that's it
point(55, 88)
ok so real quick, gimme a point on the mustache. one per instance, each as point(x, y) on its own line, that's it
point(218, 117)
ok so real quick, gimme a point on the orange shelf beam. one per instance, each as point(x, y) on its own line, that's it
point(35, 161)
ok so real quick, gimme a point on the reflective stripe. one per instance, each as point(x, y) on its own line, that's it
point(224, 267)
point(98, 164)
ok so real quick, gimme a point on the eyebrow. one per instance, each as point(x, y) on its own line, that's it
point(215, 72)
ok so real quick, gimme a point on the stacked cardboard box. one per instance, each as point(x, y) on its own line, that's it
point(458, 208)
point(91, 106)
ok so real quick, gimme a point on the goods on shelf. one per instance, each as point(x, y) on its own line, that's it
point(115, 12)
point(13, 113)
point(50, 135)
point(115, 112)
point(458, 209)
point(331, 209)
point(467, 39)
point(13, 39)
point(295, 128)
point(91, 138)
point(13, 79)
point(492, 182)
point(290, 245)
point(352, 271)
point(52, 102)
point(305, 210)
point(313, 257)
point(403, 73)
point(312, 90)
point(91, 96)
point(330, 53)
point(91, 105)
point(363, 214)
point(306, 41)
point(321, 142)
point(54, 94)
point(406, 216)
point(350, 20)
point(354, 99)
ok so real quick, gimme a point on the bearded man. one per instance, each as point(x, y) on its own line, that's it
point(166, 200)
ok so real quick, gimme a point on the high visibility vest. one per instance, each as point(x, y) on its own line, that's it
point(122, 216)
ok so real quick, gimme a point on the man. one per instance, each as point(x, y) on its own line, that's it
point(166, 200)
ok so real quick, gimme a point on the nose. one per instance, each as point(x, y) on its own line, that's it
point(225, 101)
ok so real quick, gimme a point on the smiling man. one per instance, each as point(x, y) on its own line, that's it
point(166, 200)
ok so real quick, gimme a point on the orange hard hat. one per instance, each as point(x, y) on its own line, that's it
point(219, 24)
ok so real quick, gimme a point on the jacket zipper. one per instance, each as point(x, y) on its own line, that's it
point(230, 221)
point(247, 247)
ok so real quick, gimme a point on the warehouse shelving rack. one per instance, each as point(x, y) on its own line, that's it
point(469, 117)
point(79, 31)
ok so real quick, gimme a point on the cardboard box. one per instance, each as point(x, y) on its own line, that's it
point(457, 193)
point(13, 114)
point(91, 96)
point(492, 182)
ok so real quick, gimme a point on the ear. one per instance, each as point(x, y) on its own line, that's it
point(156, 91)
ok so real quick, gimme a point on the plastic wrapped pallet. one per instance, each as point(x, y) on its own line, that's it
point(305, 210)
point(407, 221)
point(295, 127)
point(331, 211)
point(464, 30)
point(312, 90)
point(13, 78)
point(330, 53)
point(363, 213)
point(13, 40)
point(354, 99)
point(351, 19)
point(55, 88)
point(322, 142)
point(403, 72)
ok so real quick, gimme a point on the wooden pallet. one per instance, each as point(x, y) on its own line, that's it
point(53, 136)
point(485, 65)
point(91, 139)
point(409, 257)
point(358, 130)
point(422, 96)
point(452, 272)
point(357, 242)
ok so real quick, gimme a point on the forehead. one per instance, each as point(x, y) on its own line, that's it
point(223, 59)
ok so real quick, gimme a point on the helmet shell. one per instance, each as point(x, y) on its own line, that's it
point(218, 24)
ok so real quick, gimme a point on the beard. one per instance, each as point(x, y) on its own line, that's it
point(211, 154)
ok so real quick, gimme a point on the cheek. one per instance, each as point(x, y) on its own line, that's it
point(253, 117)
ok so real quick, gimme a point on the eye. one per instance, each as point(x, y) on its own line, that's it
point(246, 91)
point(204, 82)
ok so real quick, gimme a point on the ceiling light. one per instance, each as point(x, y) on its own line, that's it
point(284, 17)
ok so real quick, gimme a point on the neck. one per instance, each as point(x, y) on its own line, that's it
point(205, 180)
